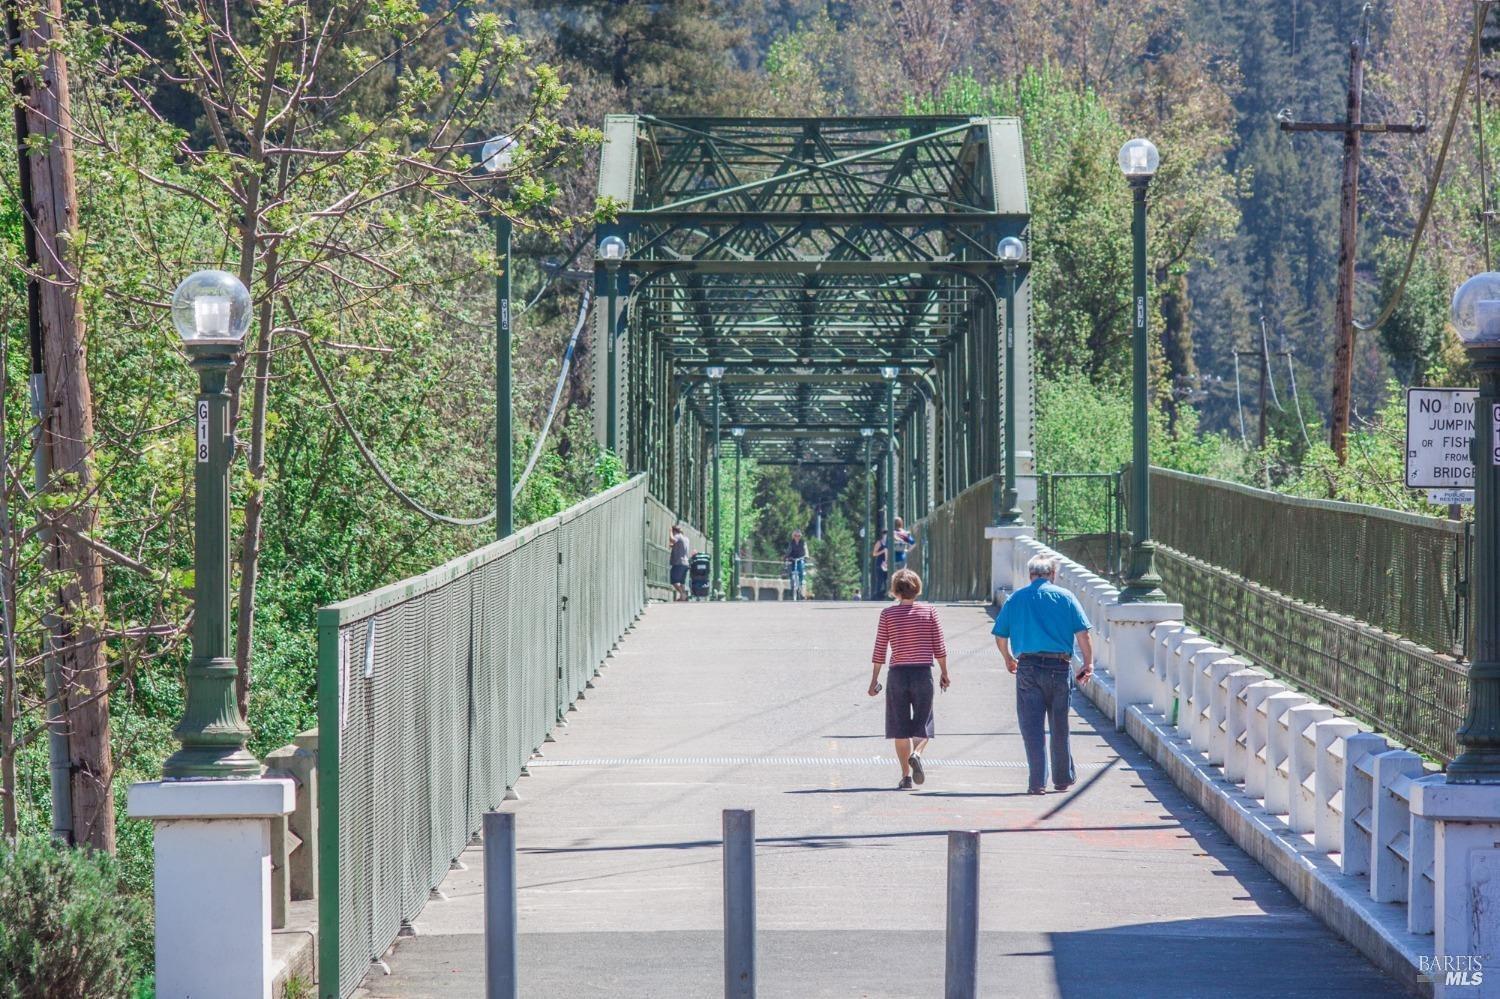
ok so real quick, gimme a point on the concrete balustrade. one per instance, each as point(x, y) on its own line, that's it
point(1209, 692)
point(1257, 728)
point(1302, 763)
point(1390, 830)
point(1229, 729)
point(1161, 638)
point(1360, 751)
point(1180, 669)
point(1279, 749)
point(1329, 747)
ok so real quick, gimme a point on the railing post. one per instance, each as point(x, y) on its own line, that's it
point(962, 978)
point(500, 906)
point(739, 903)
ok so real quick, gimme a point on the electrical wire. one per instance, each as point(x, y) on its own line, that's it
point(1291, 373)
point(1265, 353)
point(562, 378)
point(1481, 14)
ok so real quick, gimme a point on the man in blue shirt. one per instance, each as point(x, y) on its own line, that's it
point(1035, 632)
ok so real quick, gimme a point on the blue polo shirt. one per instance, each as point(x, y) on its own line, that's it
point(1041, 617)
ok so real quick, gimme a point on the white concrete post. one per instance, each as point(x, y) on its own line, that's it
point(1302, 762)
point(213, 883)
point(1392, 821)
point(1466, 875)
point(1237, 722)
point(1421, 871)
point(1256, 733)
point(1359, 800)
point(1130, 627)
point(1180, 669)
point(1192, 721)
point(1206, 731)
point(1161, 639)
point(1279, 748)
point(1002, 559)
point(1330, 741)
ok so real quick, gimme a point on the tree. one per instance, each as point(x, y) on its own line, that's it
point(837, 561)
point(780, 510)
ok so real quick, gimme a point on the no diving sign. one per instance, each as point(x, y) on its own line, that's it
point(1440, 438)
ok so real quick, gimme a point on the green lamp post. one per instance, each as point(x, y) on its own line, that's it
point(715, 376)
point(496, 156)
point(611, 250)
point(866, 542)
point(211, 311)
point(1138, 161)
point(739, 450)
point(1476, 316)
point(1011, 252)
point(890, 373)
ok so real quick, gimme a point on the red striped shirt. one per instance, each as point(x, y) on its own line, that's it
point(913, 634)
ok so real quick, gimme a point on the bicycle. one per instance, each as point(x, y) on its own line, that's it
point(797, 573)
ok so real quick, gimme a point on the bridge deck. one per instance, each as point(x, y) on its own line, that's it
point(1118, 888)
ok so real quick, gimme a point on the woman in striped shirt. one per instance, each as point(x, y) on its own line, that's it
point(914, 637)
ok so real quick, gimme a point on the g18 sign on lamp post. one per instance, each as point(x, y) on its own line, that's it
point(496, 156)
point(890, 373)
point(715, 376)
point(738, 433)
point(1476, 316)
point(1138, 162)
point(211, 310)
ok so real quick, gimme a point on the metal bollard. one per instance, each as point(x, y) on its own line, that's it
point(500, 906)
point(739, 903)
point(962, 979)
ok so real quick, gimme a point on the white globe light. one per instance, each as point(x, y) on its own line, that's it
point(715, 372)
point(497, 153)
point(1139, 159)
point(867, 431)
point(611, 249)
point(1476, 309)
point(738, 431)
point(889, 372)
point(1011, 250)
point(211, 307)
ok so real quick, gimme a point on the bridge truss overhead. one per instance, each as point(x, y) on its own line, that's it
point(807, 257)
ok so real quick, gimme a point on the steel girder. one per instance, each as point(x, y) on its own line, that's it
point(803, 255)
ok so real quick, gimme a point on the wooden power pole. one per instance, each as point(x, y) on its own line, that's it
point(67, 424)
point(1353, 129)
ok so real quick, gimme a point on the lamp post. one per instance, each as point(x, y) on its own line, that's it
point(1476, 315)
point(715, 376)
point(211, 311)
point(612, 251)
point(1011, 251)
point(739, 449)
point(1138, 161)
point(865, 583)
point(496, 156)
point(887, 520)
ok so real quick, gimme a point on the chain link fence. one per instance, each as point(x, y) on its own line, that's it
point(950, 550)
point(1400, 572)
point(432, 694)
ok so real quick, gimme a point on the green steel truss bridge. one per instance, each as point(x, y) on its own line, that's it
point(842, 272)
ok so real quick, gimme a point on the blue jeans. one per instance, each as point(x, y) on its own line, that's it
point(1042, 696)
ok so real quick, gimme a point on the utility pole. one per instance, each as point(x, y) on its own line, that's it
point(1263, 357)
point(67, 431)
point(1353, 129)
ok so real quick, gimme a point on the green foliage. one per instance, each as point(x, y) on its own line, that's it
point(780, 511)
point(68, 929)
point(838, 561)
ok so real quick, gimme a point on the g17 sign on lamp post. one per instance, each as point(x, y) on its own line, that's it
point(715, 376)
point(611, 250)
point(495, 157)
point(211, 310)
point(1476, 316)
point(738, 433)
point(1138, 162)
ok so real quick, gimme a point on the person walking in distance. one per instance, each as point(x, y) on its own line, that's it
point(679, 560)
point(1035, 632)
point(913, 636)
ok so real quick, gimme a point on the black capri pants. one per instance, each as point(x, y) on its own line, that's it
point(908, 702)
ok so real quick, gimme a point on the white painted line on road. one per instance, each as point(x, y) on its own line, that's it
point(780, 761)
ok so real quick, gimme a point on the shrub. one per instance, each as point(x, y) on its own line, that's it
point(66, 927)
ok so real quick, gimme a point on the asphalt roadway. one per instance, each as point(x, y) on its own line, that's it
point(1118, 887)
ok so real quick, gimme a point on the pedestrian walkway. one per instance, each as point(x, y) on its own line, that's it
point(1116, 888)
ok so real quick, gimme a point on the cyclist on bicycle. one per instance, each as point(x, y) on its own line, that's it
point(796, 560)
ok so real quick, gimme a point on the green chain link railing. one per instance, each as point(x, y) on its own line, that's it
point(950, 551)
point(432, 694)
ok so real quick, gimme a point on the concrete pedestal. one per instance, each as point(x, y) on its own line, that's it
point(1002, 557)
point(1466, 877)
point(1131, 651)
point(213, 883)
